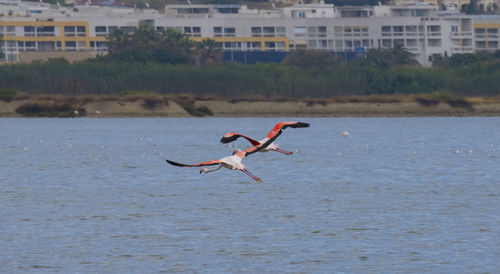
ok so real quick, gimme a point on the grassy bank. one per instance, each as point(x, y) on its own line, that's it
point(142, 103)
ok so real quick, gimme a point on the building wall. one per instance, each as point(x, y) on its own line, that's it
point(323, 27)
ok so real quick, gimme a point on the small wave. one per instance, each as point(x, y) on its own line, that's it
point(360, 228)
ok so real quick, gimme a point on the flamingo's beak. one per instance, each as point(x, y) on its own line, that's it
point(201, 170)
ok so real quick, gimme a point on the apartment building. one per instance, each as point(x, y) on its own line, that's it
point(422, 29)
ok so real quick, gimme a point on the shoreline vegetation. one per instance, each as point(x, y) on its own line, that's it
point(153, 73)
point(155, 105)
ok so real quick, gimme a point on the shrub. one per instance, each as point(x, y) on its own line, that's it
point(7, 95)
point(427, 102)
point(36, 110)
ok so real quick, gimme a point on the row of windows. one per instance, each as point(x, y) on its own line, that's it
point(7, 29)
point(256, 31)
point(489, 44)
point(45, 45)
point(31, 31)
point(488, 30)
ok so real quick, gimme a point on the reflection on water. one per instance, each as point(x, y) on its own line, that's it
point(395, 195)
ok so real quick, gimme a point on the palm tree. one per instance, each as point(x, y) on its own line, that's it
point(117, 39)
point(386, 58)
point(208, 53)
point(146, 38)
point(401, 56)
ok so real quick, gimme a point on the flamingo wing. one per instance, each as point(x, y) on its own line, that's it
point(282, 125)
point(232, 136)
point(207, 163)
point(254, 149)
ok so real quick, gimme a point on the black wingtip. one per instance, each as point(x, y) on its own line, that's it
point(301, 124)
point(174, 163)
point(226, 140)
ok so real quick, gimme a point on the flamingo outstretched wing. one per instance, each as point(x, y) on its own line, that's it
point(207, 163)
point(284, 125)
point(232, 136)
point(254, 149)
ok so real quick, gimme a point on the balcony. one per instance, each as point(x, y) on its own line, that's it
point(460, 35)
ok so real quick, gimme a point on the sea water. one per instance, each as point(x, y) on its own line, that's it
point(396, 195)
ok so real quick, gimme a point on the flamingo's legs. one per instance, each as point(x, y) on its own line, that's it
point(282, 151)
point(251, 175)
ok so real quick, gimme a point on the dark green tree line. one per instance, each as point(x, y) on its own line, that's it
point(241, 81)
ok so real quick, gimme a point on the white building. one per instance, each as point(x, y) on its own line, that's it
point(422, 29)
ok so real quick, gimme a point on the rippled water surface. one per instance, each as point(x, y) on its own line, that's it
point(396, 195)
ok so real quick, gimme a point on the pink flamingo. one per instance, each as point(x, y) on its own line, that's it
point(233, 162)
point(232, 136)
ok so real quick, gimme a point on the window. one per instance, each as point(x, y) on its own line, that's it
point(196, 31)
point(270, 46)
point(281, 31)
point(434, 42)
point(253, 46)
point(434, 30)
point(397, 28)
point(217, 31)
point(347, 31)
point(10, 30)
point(29, 31)
point(386, 29)
point(311, 44)
point(192, 31)
point(321, 31)
point(79, 31)
point(229, 32)
point(100, 31)
point(311, 32)
point(45, 31)
point(356, 31)
point(81, 45)
point(338, 44)
point(70, 45)
point(411, 30)
point(30, 46)
point(323, 44)
point(46, 46)
point(268, 31)
point(300, 31)
point(364, 31)
point(256, 31)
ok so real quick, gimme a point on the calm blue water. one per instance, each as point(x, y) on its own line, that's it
point(397, 195)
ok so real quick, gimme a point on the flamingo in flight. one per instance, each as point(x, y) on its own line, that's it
point(232, 136)
point(234, 161)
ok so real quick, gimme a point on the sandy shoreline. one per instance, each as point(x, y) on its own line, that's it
point(220, 108)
